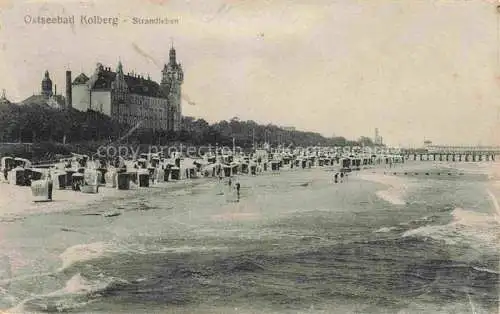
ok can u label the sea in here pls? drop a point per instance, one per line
(416, 238)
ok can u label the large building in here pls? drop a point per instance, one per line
(47, 96)
(131, 98)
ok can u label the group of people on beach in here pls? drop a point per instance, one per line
(230, 184)
(342, 177)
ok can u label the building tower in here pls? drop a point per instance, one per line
(69, 94)
(171, 80)
(119, 85)
(120, 90)
(3, 99)
(172, 56)
(46, 85)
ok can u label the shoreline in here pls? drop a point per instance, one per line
(16, 202)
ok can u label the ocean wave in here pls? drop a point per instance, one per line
(385, 229)
(86, 252)
(392, 196)
(92, 279)
(83, 252)
(181, 249)
(407, 227)
(80, 285)
(77, 292)
(467, 227)
(486, 270)
(397, 191)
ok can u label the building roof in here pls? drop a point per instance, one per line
(55, 101)
(136, 84)
(80, 79)
(34, 99)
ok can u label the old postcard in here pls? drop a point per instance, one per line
(249, 156)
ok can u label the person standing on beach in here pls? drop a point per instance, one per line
(49, 186)
(341, 177)
(29, 179)
(238, 190)
(336, 177)
(229, 182)
(221, 185)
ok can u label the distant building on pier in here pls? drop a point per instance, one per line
(377, 139)
(460, 149)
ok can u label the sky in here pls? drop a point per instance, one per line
(415, 69)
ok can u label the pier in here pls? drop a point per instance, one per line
(452, 153)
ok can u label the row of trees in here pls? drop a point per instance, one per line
(40, 123)
(248, 133)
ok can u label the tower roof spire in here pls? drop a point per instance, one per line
(172, 59)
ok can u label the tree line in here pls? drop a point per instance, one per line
(36, 123)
